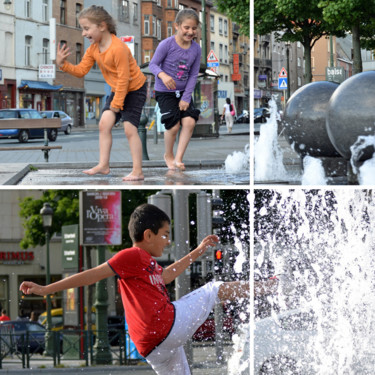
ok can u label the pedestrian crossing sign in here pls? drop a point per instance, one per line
(283, 83)
(283, 73)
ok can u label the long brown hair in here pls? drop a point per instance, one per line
(97, 15)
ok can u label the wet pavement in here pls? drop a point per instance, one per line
(204, 160)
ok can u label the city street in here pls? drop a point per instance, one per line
(80, 151)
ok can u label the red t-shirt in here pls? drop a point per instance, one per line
(148, 309)
(4, 318)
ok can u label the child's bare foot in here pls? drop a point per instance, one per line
(133, 177)
(179, 165)
(169, 160)
(97, 170)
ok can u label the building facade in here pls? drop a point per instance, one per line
(17, 265)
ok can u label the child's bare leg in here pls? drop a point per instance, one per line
(105, 143)
(135, 146)
(169, 140)
(231, 291)
(188, 124)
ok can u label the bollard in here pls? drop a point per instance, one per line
(142, 134)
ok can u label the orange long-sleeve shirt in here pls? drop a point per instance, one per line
(119, 68)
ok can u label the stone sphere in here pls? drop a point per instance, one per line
(351, 113)
(305, 120)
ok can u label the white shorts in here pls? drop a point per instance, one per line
(191, 312)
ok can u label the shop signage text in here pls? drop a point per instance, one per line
(16, 257)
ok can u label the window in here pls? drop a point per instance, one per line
(212, 23)
(180, 7)
(146, 25)
(212, 46)
(147, 56)
(158, 23)
(153, 26)
(124, 11)
(135, 12)
(226, 54)
(169, 3)
(226, 27)
(28, 40)
(136, 51)
(78, 10)
(299, 61)
(158, 2)
(28, 8)
(45, 15)
(220, 26)
(176, 4)
(299, 81)
(45, 51)
(63, 12)
(220, 52)
(169, 28)
(78, 53)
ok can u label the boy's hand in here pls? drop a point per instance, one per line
(168, 81)
(211, 240)
(115, 110)
(28, 287)
(61, 54)
(183, 105)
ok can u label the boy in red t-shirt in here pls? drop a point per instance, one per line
(158, 327)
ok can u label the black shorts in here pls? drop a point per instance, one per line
(170, 112)
(133, 105)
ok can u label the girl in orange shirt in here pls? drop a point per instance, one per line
(122, 73)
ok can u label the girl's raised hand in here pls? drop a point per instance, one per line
(28, 287)
(62, 53)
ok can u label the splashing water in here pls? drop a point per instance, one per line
(268, 158)
(238, 161)
(313, 172)
(366, 173)
(322, 242)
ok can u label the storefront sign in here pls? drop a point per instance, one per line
(70, 246)
(129, 41)
(16, 257)
(100, 218)
(47, 71)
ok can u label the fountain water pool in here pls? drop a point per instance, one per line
(322, 243)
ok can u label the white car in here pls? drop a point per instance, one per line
(66, 121)
(281, 343)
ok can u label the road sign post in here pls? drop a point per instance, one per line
(283, 82)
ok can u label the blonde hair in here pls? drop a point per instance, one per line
(97, 15)
(183, 14)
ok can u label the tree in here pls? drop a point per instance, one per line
(237, 11)
(293, 21)
(65, 204)
(355, 16)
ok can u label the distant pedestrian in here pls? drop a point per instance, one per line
(121, 72)
(33, 316)
(175, 65)
(4, 317)
(228, 114)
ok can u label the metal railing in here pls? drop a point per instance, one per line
(67, 345)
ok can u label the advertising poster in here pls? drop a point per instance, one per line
(100, 218)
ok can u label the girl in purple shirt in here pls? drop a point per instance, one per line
(175, 65)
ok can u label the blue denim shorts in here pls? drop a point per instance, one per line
(133, 105)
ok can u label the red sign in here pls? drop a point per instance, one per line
(236, 76)
(16, 257)
(283, 73)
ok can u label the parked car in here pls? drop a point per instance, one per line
(243, 118)
(206, 332)
(66, 121)
(261, 115)
(19, 328)
(23, 135)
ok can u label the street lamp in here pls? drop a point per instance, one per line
(287, 45)
(7, 4)
(47, 214)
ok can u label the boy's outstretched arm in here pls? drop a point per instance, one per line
(87, 277)
(176, 269)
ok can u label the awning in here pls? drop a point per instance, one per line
(38, 85)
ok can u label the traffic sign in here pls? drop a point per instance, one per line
(212, 64)
(283, 73)
(283, 83)
(212, 57)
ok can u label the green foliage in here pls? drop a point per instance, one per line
(237, 11)
(65, 204)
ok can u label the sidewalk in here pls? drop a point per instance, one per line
(204, 159)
